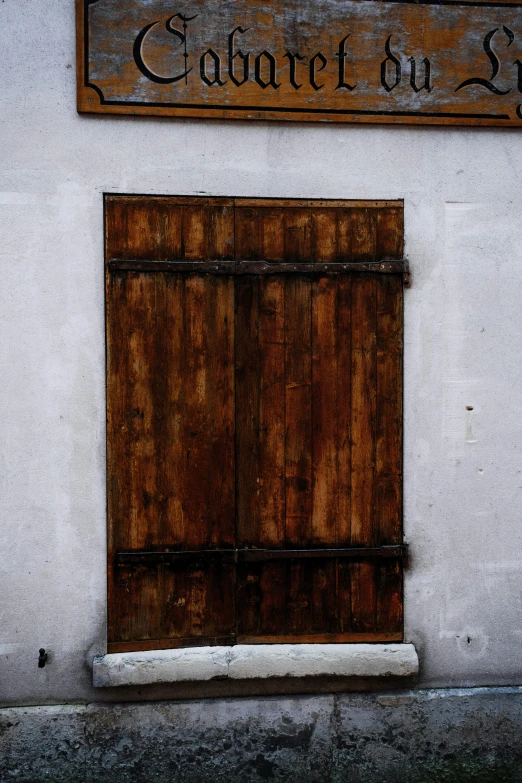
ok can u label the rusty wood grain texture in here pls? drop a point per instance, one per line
(360, 61)
(254, 422)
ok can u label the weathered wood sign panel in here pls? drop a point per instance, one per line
(335, 60)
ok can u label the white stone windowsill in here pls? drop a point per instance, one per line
(259, 661)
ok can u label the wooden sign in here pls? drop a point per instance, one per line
(424, 62)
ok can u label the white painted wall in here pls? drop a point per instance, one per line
(463, 469)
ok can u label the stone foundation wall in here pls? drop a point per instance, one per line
(409, 736)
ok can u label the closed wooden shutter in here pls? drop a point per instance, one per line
(254, 397)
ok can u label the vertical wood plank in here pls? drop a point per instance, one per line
(364, 235)
(132, 467)
(364, 311)
(197, 604)
(344, 408)
(390, 233)
(162, 240)
(137, 613)
(273, 595)
(127, 227)
(195, 246)
(297, 224)
(298, 407)
(325, 495)
(170, 232)
(363, 596)
(185, 601)
(135, 306)
(220, 410)
(119, 399)
(195, 456)
(198, 424)
(220, 233)
(156, 532)
(247, 358)
(207, 417)
(322, 576)
(344, 235)
(363, 407)
(115, 228)
(220, 619)
(139, 230)
(248, 234)
(324, 235)
(273, 235)
(344, 597)
(175, 601)
(299, 598)
(174, 423)
(387, 505)
(389, 598)
(249, 599)
(271, 486)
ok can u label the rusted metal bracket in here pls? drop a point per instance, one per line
(397, 551)
(261, 555)
(392, 266)
(406, 274)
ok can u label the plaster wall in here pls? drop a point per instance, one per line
(463, 468)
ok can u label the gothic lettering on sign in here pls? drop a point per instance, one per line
(315, 68)
(138, 50)
(271, 63)
(217, 68)
(396, 63)
(292, 58)
(442, 63)
(244, 58)
(495, 64)
(341, 55)
(427, 73)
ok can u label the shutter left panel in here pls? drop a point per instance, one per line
(170, 436)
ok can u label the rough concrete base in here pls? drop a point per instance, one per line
(412, 737)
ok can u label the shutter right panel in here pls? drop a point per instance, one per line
(318, 454)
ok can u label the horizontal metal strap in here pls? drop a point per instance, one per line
(258, 555)
(257, 267)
